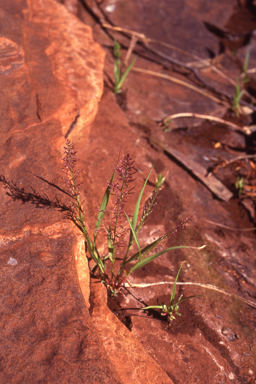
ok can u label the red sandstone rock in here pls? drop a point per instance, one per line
(127, 355)
(48, 334)
(51, 71)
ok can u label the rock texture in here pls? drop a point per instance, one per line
(51, 76)
(127, 355)
(51, 66)
(213, 340)
(47, 333)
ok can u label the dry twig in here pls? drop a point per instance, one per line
(207, 63)
(181, 82)
(206, 286)
(247, 130)
(230, 228)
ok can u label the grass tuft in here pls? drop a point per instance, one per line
(121, 229)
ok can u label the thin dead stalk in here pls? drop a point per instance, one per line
(228, 162)
(133, 42)
(206, 286)
(207, 63)
(230, 228)
(181, 82)
(245, 129)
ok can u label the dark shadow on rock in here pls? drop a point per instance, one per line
(40, 201)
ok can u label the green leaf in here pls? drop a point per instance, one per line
(145, 250)
(103, 206)
(186, 298)
(95, 255)
(117, 72)
(117, 51)
(152, 307)
(137, 206)
(174, 285)
(148, 259)
(110, 247)
(134, 235)
(126, 73)
(246, 62)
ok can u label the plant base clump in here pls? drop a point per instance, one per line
(171, 310)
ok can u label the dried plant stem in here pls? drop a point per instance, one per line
(133, 42)
(238, 158)
(244, 129)
(147, 40)
(230, 228)
(207, 63)
(181, 82)
(207, 286)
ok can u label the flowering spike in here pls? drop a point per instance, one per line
(122, 190)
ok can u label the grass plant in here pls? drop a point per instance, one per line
(121, 230)
(171, 310)
(239, 184)
(239, 92)
(240, 82)
(119, 73)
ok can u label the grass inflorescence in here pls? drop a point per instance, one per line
(121, 229)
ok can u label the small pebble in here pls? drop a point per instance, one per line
(12, 261)
(110, 8)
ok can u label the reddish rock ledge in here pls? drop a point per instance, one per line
(51, 74)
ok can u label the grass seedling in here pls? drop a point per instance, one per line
(121, 230)
(171, 310)
(240, 185)
(240, 82)
(167, 124)
(237, 97)
(119, 75)
(245, 66)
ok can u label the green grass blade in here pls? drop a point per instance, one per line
(137, 206)
(126, 73)
(110, 248)
(117, 72)
(117, 49)
(152, 307)
(93, 252)
(186, 298)
(103, 206)
(246, 62)
(174, 285)
(134, 235)
(145, 250)
(148, 259)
